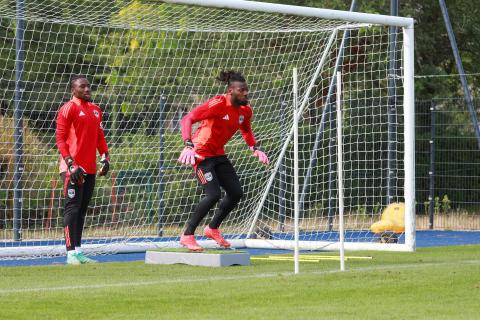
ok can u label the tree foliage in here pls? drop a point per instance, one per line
(433, 53)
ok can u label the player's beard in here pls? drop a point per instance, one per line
(239, 102)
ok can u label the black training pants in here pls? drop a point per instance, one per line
(213, 173)
(77, 199)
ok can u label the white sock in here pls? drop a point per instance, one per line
(78, 250)
(71, 252)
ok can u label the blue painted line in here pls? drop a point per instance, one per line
(86, 241)
(447, 238)
(365, 236)
(121, 257)
(424, 239)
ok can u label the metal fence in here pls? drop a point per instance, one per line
(447, 166)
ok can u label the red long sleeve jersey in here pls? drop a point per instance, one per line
(79, 134)
(219, 122)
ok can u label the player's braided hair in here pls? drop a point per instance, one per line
(230, 76)
(75, 78)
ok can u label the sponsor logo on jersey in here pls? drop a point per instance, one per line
(226, 117)
(95, 112)
(241, 118)
(71, 193)
(81, 114)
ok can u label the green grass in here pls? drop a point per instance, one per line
(432, 283)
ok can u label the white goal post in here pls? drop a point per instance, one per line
(150, 62)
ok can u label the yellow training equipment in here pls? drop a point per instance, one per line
(393, 219)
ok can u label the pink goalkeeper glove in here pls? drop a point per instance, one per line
(260, 154)
(188, 154)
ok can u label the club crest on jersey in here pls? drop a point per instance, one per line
(95, 112)
(71, 193)
(240, 119)
(208, 176)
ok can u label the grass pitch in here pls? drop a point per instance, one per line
(432, 283)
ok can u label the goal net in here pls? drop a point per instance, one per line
(151, 62)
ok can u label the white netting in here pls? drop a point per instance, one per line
(149, 63)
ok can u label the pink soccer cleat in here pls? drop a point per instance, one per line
(190, 243)
(215, 235)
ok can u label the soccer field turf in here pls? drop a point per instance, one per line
(432, 283)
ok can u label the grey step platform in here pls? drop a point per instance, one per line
(209, 258)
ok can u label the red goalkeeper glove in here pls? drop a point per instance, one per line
(75, 173)
(260, 154)
(105, 165)
(188, 154)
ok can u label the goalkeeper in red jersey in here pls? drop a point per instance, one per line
(220, 117)
(79, 135)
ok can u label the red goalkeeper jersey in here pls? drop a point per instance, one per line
(79, 134)
(219, 122)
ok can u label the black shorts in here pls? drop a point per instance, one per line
(215, 172)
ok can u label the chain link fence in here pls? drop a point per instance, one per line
(447, 166)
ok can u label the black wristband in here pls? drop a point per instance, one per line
(255, 148)
(188, 143)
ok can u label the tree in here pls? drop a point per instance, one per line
(433, 54)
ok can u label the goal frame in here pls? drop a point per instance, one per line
(407, 26)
